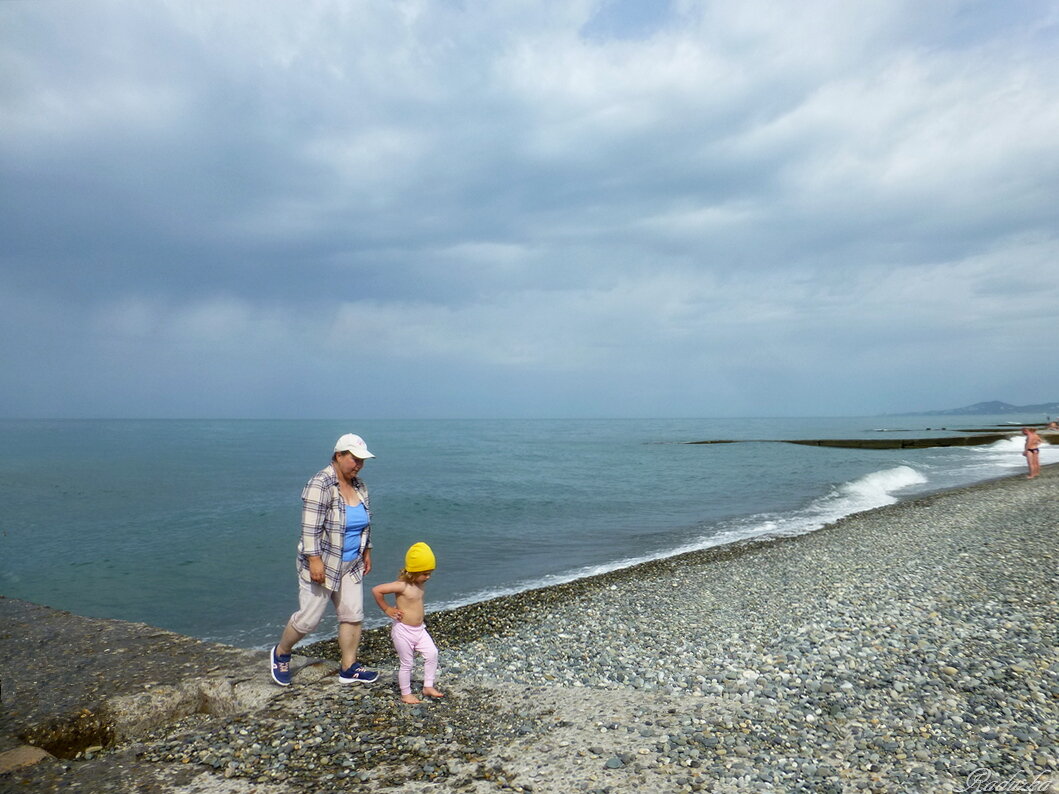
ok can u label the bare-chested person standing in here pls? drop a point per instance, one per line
(1032, 451)
(409, 631)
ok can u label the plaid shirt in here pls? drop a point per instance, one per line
(324, 528)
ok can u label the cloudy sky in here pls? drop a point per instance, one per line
(465, 208)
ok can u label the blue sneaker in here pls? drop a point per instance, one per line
(280, 668)
(357, 674)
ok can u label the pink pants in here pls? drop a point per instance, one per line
(406, 641)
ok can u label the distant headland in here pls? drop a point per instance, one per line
(992, 407)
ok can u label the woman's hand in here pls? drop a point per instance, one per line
(316, 570)
(367, 561)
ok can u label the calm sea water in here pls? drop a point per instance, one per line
(192, 525)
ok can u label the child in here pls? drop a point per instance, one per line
(409, 632)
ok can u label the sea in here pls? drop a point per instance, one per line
(192, 525)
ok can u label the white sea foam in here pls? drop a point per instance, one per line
(874, 490)
(1005, 451)
(962, 465)
(1005, 456)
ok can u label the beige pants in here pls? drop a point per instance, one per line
(312, 602)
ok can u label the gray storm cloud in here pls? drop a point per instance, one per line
(532, 209)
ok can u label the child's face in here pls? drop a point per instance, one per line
(421, 578)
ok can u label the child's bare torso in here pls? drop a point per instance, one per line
(410, 602)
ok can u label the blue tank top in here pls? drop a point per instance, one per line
(356, 521)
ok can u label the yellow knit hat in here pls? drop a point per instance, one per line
(419, 558)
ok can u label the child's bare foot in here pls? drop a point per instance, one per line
(431, 692)
(411, 700)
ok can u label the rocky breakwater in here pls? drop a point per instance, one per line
(72, 687)
(106, 705)
(979, 437)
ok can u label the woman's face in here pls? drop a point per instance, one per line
(348, 465)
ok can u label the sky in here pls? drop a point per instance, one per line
(579, 208)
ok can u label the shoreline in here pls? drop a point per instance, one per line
(905, 648)
(468, 622)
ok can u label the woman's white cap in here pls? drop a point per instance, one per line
(354, 444)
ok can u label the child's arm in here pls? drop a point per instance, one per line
(382, 590)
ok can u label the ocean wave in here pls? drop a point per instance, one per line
(877, 489)
(871, 491)
(1005, 455)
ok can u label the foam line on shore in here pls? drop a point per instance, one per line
(473, 619)
(873, 491)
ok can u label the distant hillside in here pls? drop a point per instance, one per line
(995, 407)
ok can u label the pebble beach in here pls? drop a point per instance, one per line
(911, 648)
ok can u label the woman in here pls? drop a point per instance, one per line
(1032, 451)
(334, 556)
